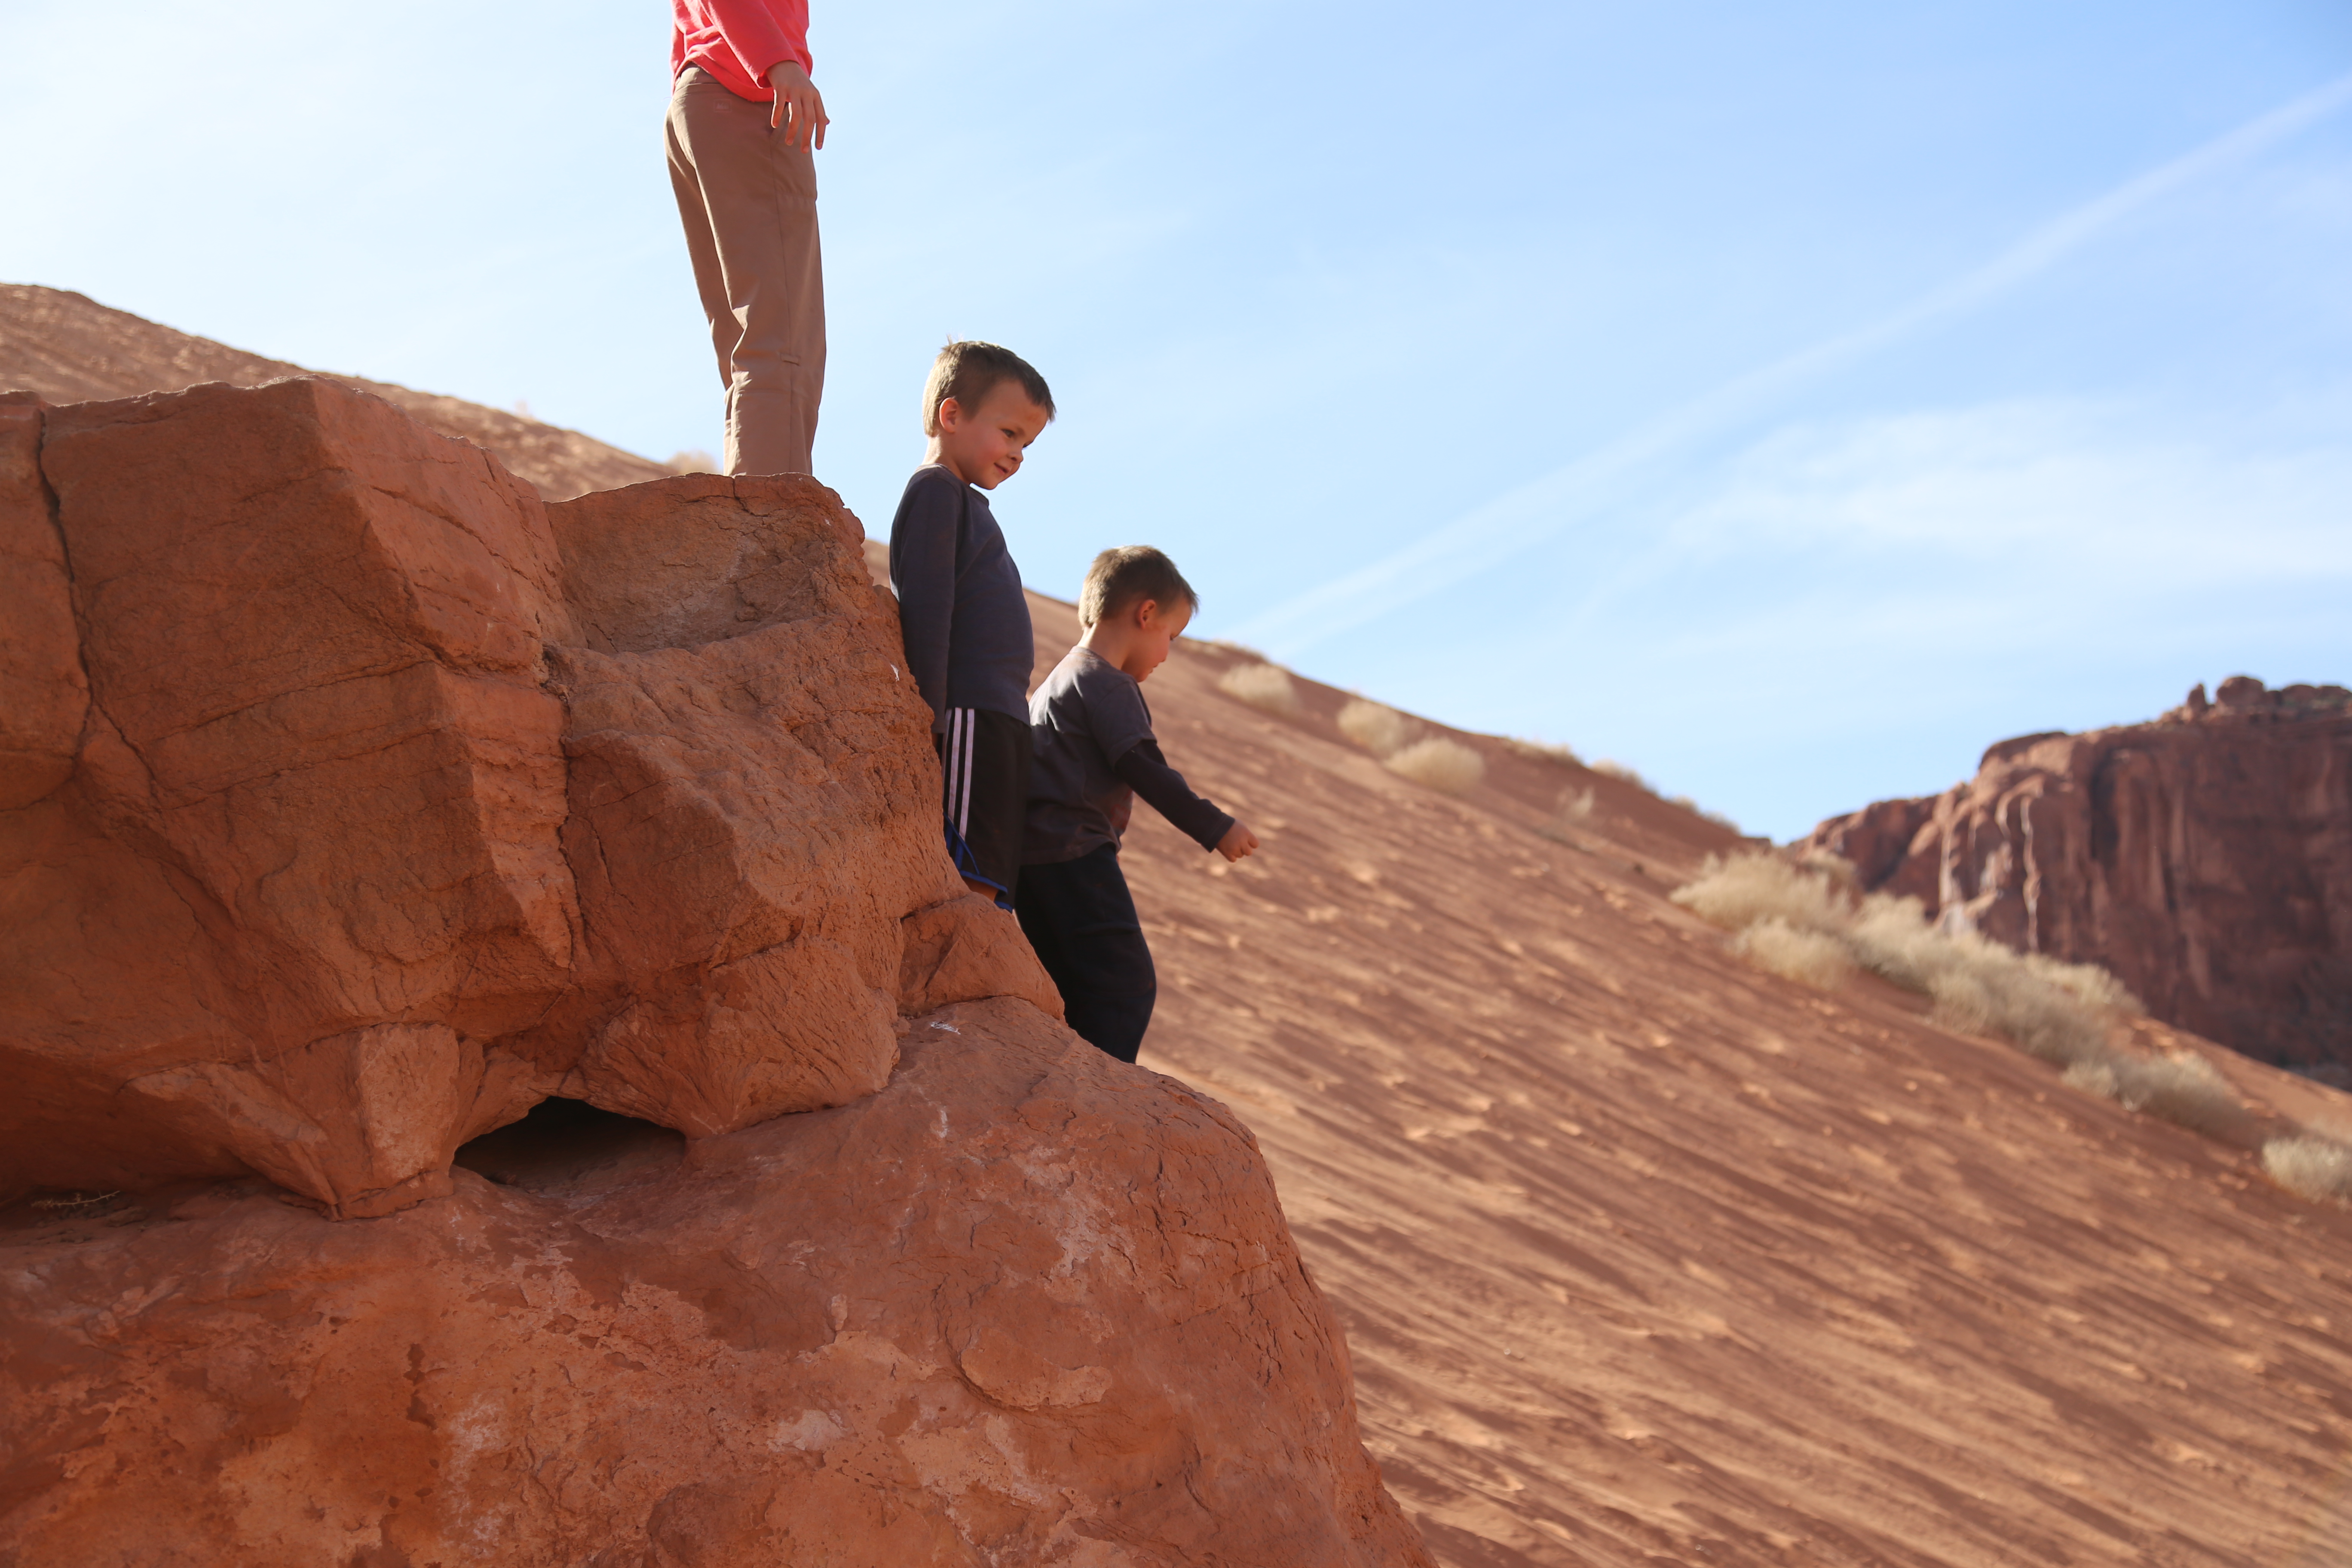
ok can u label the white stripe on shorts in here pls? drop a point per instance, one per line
(962, 723)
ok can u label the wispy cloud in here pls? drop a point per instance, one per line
(1511, 523)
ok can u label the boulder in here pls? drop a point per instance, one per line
(2204, 857)
(394, 801)
(1026, 1305)
(754, 804)
(319, 791)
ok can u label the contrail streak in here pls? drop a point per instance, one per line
(1511, 523)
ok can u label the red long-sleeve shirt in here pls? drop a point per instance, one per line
(737, 40)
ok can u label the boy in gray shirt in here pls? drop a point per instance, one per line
(1095, 752)
(960, 609)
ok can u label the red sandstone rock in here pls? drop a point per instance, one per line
(1027, 1305)
(965, 948)
(40, 662)
(319, 792)
(341, 878)
(2205, 858)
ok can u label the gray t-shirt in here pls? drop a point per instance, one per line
(1087, 715)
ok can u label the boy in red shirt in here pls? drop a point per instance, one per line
(744, 120)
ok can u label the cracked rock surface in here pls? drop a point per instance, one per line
(1026, 1305)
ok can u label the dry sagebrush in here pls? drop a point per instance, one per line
(1446, 766)
(1542, 750)
(2318, 1168)
(1266, 687)
(1624, 774)
(1569, 813)
(1380, 729)
(1803, 921)
(1809, 957)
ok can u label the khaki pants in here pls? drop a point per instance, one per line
(749, 204)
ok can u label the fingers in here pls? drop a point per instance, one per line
(800, 113)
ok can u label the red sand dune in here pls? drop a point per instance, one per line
(1647, 1256)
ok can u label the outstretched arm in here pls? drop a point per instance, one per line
(1143, 769)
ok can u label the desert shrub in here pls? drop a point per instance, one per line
(1977, 993)
(1979, 987)
(1447, 766)
(2318, 1168)
(2185, 1089)
(1809, 957)
(1836, 868)
(1541, 750)
(1801, 920)
(1571, 812)
(2087, 980)
(1624, 774)
(1263, 686)
(1693, 806)
(1738, 892)
(1380, 729)
(1891, 937)
(692, 462)
(2098, 1078)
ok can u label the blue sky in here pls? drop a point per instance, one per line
(1787, 401)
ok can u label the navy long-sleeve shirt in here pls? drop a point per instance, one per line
(1095, 752)
(960, 608)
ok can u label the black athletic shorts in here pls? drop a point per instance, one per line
(985, 764)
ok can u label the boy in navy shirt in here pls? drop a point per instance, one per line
(1095, 753)
(960, 609)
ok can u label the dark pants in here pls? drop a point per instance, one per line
(1081, 920)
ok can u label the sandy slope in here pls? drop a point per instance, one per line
(1646, 1256)
(71, 348)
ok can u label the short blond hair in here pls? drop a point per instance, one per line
(969, 370)
(1121, 577)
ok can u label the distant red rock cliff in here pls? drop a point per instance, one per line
(2205, 858)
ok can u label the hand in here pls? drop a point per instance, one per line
(1237, 843)
(800, 108)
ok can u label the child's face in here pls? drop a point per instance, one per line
(983, 446)
(1155, 632)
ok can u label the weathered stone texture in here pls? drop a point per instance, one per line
(396, 801)
(1026, 1305)
(41, 657)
